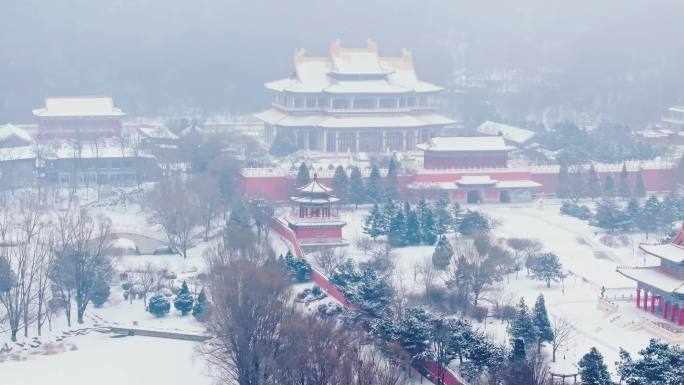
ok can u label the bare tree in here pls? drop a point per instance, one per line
(13, 269)
(563, 332)
(147, 279)
(329, 259)
(174, 207)
(427, 276)
(206, 189)
(81, 261)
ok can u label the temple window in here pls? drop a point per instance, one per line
(364, 104)
(340, 104)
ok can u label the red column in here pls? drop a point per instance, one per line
(666, 307)
(638, 297)
(673, 313)
(645, 299)
(681, 316)
(653, 303)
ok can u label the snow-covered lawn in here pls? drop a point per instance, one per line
(589, 261)
(103, 360)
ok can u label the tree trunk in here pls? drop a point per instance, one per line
(14, 334)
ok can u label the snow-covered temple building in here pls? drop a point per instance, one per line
(353, 101)
(314, 220)
(462, 152)
(79, 118)
(660, 289)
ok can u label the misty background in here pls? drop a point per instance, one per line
(610, 60)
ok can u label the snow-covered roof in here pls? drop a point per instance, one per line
(656, 277)
(667, 251)
(510, 133)
(476, 180)
(517, 184)
(315, 201)
(9, 131)
(314, 187)
(97, 106)
(353, 70)
(677, 108)
(280, 118)
(157, 132)
(17, 153)
(465, 143)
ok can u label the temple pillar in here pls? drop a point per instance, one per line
(673, 313)
(666, 307)
(646, 299)
(653, 303)
(638, 297)
(681, 315)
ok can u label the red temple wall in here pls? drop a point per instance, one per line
(460, 160)
(280, 188)
(317, 232)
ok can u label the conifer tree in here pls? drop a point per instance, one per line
(443, 253)
(547, 268)
(609, 186)
(639, 186)
(541, 321)
(578, 188)
(201, 309)
(340, 183)
(609, 216)
(518, 370)
(283, 144)
(523, 326)
(563, 186)
(427, 228)
(389, 211)
(357, 191)
(303, 176)
(159, 306)
(624, 190)
(184, 300)
(650, 219)
(632, 214)
(396, 234)
(373, 186)
(443, 218)
(592, 369)
(413, 235)
(392, 179)
(593, 183)
(372, 225)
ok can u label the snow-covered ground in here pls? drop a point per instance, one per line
(590, 263)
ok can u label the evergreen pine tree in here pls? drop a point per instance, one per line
(389, 211)
(609, 216)
(283, 145)
(427, 222)
(650, 219)
(396, 233)
(609, 186)
(303, 176)
(443, 253)
(592, 369)
(357, 191)
(372, 225)
(100, 292)
(518, 370)
(201, 309)
(624, 190)
(373, 186)
(413, 235)
(473, 222)
(414, 332)
(523, 326)
(639, 186)
(456, 213)
(547, 268)
(632, 214)
(563, 186)
(184, 300)
(541, 321)
(392, 179)
(444, 220)
(578, 188)
(593, 183)
(239, 217)
(159, 306)
(340, 183)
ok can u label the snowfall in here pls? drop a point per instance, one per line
(80, 354)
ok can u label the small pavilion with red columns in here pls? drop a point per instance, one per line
(314, 219)
(660, 289)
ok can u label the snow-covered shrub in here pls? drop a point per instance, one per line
(159, 306)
